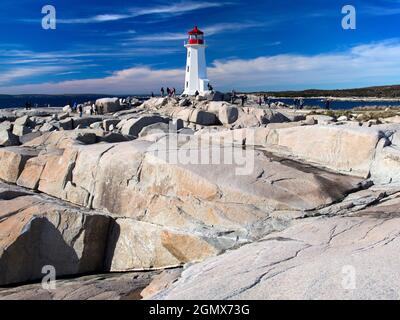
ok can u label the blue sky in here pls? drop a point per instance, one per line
(135, 46)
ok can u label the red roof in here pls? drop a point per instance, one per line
(195, 31)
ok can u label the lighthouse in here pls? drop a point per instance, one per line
(196, 67)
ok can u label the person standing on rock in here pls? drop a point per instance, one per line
(233, 96)
(173, 92)
(152, 94)
(327, 104)
(301, 103)
(196, 93)
(80, 109)
(259, 101)
(162, 92)
(244, 98)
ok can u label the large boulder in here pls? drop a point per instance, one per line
(66, 124)
(48, 127)
(107, 123)
(159, 127)
(12, 162)
(155, 103)
(67, 109)
(133, 127)
(203, 118)
(29, 137)
(7, 138)
(140, 245)
(345, 149)
(35, 233)
(6, 126)
(84, 122)
(109, 105)
(321, 119)
(226, 112)
(254, 117)
(22, 121)
(386, 165)
(20, 130)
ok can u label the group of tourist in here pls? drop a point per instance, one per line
(298, 103)
(94, 109)
(170, 92)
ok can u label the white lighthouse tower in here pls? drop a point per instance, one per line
(196, 67)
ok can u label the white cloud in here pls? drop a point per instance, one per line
(165, 10)
(209, 31)
(23, 73)
(138, 79)
(368, 64)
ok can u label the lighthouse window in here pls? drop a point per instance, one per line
(188, 69)
(187, 84)
(189, 54)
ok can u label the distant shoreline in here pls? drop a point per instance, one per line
(362, 99)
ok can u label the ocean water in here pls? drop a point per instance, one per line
(44, 100)
(61, 101)
(340, 104)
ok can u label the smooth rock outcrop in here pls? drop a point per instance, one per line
(349, 257)
(110, 286)
(348, 150)
(35, 233)
(168, 204)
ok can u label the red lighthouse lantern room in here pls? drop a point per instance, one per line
(196, 36)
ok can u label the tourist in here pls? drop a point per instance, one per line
(243, 98)
(269, 102)
(301, 103)
(196, 93)
(233, 96)
(80, 111)
(152, 94)
(259, 101)
(173, 92)
(327, 104)
(74, 108)
(162, 92)
(168, 92)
